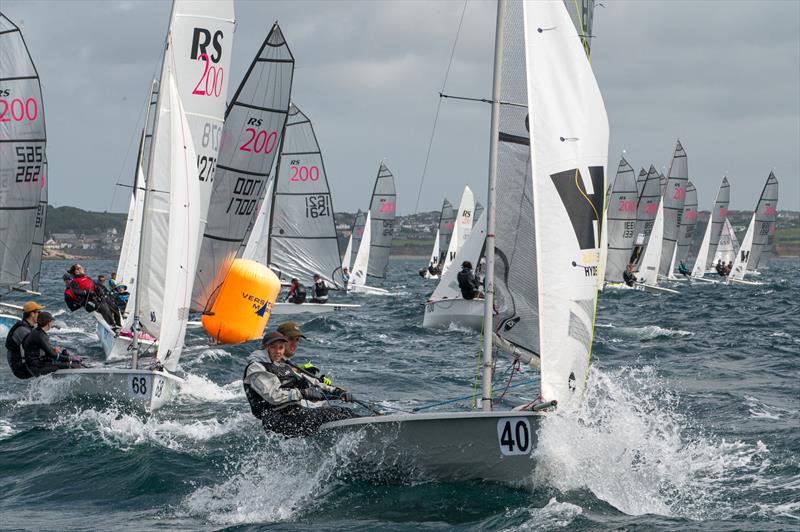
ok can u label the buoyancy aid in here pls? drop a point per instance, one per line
(288, 378)
(16, 356)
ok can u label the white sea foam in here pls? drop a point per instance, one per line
(648, 332)
(197, 388)
(553, 515)
(758, 409)
(126, 431)
(629, 446)
(6, 429)
(270, 484)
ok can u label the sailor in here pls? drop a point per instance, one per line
(319, 292)
(422, 272)
(297, 293)
(112, 283)
(100, 287)
(467, 282)
(720, 267)
(40, 357)
(728, 268)
(70, 299)
(433, 270)
(628, 276)
(19, 331)
(293, 334)
(121, 296)
(683, 270)
(345, 276)
(84, 293)
(285, 400)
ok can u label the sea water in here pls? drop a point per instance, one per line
(691, 420)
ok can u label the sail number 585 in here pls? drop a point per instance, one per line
(514, 435)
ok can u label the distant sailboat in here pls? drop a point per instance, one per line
(646, 210)
(686, 231)
(382, 208)
(620, 222)
(673, 199)
(442, 239)
(461, 230)
(768, 215)
(757, 232)
(358, 275)
(708, 247)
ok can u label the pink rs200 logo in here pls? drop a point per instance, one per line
(210, 82)
(723, 211)
(386, 206)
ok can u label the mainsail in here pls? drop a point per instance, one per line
(358, 275)
(620, 222)
(23, 160)
(303, 240)
(640, 181)
(463, 227)
(739, 267)
(553, 180)
(673, 199)
(648, 267)
(764, 219)
(646, 210)
(382, 209)
(447, 224)
(718, 216)
(688, 223)
(185, 144)
(254, 125)
(35, 263)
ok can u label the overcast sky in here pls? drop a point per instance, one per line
(724, 77)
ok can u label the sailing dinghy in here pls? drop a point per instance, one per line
(757, 232)
(673, 199)
(647, 278)
(442, 241)
(716, 221)
(461, 230)
(620, 223)
(23, 168)
(557, 160)
(175, 199)
(358, 275)
(688, 220)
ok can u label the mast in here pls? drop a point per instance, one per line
(488, 325)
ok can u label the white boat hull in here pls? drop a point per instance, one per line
(149, 389)
(117, 347)
(7, 321)
(462, 312)
(451, 446)
(364, 289)
(281, 309)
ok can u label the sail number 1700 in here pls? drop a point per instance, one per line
(514, 435)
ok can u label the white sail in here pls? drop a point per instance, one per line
(128, 266)
(348, 253)
(743, 256)
(718, 216)
(699, 268)
(569, 146)
(765, 214)
(382, 207)
(674, 197)
(462, 229)
(22, 158)
(252, 135)
(727, 245)
(646, 209)
(358, 275)
(470, 251)
(648, 267)
(434, 260)
(257, 245)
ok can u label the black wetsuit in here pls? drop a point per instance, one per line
(468, 283)
(297, 294)
(39, 355)
(289, 418)
(16, 360)
(629, 278)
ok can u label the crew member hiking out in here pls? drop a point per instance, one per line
(297, 293)
(16, 335)
(467, 282)
(319, 292)
(40, 357)
(285, 400)
(82, 292)
(628, 276)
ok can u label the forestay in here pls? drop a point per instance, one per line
(254, 124)
(303, 239)
(674, 198)
(688, 223)
(646, 210)
(382, 209)
(22, 159)
(620, 222)
(570, 153)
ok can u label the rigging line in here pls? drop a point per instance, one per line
(438, 106)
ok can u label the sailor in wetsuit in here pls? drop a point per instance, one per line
(319, 291)
(683, 270)
(285, 400)
(467, 282)
(42, 358)
(19, 331)
(297, 293)
(628, 276)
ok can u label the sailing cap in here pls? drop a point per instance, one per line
(30, 306)
(272, 338)
(291, 330)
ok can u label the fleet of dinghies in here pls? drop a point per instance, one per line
(219, 188)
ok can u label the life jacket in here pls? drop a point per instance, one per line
(16, 357)
(298, 294)
(467, 283)
(288, 378)
(321, 289)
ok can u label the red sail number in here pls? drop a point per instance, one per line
(211, 76)
(260, 141)
(304, 173)
(18, 110)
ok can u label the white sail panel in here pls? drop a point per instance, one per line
(727, 245)
(674, 197)
(699, 268)
(471, 251)
(252, 135)
(462, 228)
(621, 222)
(22, 157)
(358, 230)
(648, 267)
(382, 207)
(256, 247)
(739, 267)
(348, 253)
(358, 275)
(718, 216)
(569, 143)
(181, 257)
(434, 260)
(303, 239)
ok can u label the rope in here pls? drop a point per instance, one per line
(448, 401)
(439, 105)
(514, 368)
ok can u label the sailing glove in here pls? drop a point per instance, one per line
(312, 394)
(344, 395)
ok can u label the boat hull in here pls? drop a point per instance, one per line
(461, 312)
(364, 289)
(148, 389)
(451, 446)
(117, 347)
(281, 309)
(6, 322)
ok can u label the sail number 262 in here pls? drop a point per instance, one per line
(514, 435)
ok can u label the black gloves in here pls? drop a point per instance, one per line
(312, 394)
(344, 395)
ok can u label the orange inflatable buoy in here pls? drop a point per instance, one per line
(241, 310)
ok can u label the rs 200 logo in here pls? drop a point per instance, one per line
(202, 39)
